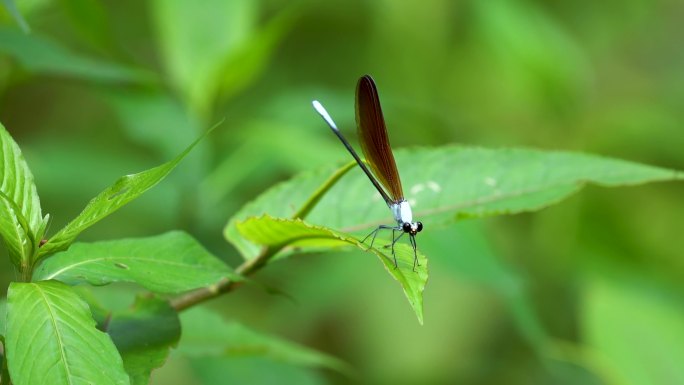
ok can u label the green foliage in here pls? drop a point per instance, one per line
(641, 347)
(144, 334)
(196, 60)
(12, 9)
(124, 190)
(489, 182)
(98, 87)
(208, 335)
(21, 222)
(51, 334)
(252, 370)
(277, 233)
(167, 263)
(41, 55)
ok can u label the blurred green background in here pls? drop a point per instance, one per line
(590, 291)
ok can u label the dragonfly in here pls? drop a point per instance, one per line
(372, 133)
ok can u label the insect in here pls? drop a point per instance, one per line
(376, 148)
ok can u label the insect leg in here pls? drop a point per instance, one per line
(394, 240)
(415, 253)
(374, 233)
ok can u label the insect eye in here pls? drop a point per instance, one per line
(419, 226)
(406, 227)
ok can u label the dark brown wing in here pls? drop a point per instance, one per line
(373, 137)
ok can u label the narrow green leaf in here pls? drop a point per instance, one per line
(206, 334)
(277, 232)
(52, 339)
(40, 55)
(124, 190)
(21, 221)
(144, 334)
(167, 263)
(11, 7)
(447, 183)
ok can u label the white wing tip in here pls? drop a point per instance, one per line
(324, 114)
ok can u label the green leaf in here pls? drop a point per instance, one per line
(51, 338)
(3, 317)
(124, 190)
(447, 183)
(251, 58)
(155, 119)
(169, 263)
(16, 15)
(253, 371)
(40, 55)
(21, 221)
(197, 41)
(295, 194)
(89, 19)
(477, 260)
(144, 334)
(276, 232)
(531, 53)
(206, 334)
(636, 329)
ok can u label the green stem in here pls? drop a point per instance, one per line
(26, 271)
(225, 285)
(4, 375)
(318, 194)
(250, 266)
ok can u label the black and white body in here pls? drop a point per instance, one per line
(378, 153)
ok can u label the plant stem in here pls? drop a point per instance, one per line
(4, 374)
(225, 285)
(26, 271)
(248, 267)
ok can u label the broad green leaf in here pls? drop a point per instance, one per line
(144, 334)
(277, 232)
(11, 7)
(635, 329)
(40, 55)
(124, 190)
(52, 339)
(206, 334)
(167, 263)
(21, 221)
(447, 183)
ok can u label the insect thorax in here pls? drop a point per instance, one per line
(402, 212)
